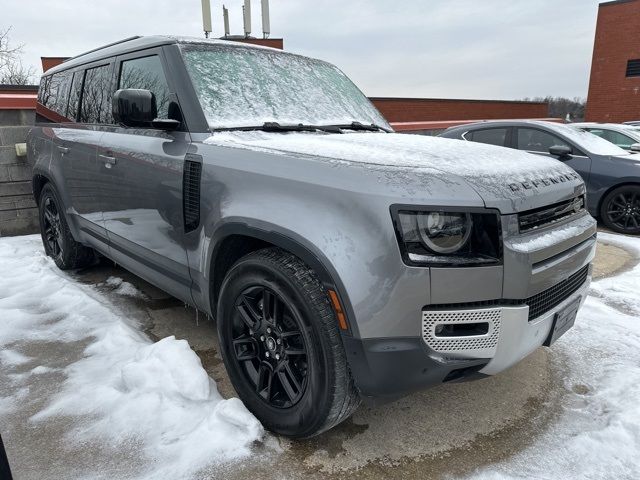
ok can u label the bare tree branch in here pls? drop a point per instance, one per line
(12, 71)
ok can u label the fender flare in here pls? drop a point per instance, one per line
(293, 243)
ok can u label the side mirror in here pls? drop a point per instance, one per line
(560, 151)
(635, 147)
(134, 107)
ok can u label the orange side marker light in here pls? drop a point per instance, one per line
(342, 319)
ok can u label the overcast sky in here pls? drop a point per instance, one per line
(489, 49)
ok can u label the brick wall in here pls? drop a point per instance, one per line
(437, 109)
(613, 97)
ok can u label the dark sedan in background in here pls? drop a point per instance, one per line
(612, 175)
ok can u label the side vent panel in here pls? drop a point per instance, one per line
(191, 192)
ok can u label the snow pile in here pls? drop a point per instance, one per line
(598, 433)
(155, 396)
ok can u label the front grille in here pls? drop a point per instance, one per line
(539, 304)
(541, 217)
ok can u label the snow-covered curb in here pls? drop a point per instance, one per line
(125, 388)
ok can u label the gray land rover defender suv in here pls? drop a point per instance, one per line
(341, 261)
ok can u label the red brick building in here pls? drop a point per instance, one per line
(422, 114)
(614, 88)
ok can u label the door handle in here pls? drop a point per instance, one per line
(108, 161)
(63, 150)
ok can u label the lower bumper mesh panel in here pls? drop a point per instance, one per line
(489, 340)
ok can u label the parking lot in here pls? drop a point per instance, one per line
(566, 409)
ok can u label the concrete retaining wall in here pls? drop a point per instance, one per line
(18, 212)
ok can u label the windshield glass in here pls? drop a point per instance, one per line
(588, 141)
(243, 87)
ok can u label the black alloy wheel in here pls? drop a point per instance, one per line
(269, 345)
(621, 210)
(281, 345)
(52, 229)
(57, 239)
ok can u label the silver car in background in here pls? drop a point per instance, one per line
(624, 136)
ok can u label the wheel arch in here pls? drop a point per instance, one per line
(237, 239)
(38, 181)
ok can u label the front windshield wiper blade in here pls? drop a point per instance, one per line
(277, 127)
(370, 127)
(302, 127)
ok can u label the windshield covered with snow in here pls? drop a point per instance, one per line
(588, 141)
(244, 87)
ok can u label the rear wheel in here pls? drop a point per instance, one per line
(58, 242)
(620, 209)
(281, 345)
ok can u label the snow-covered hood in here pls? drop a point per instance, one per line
(505, 178)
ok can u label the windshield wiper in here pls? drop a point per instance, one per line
(302, 127)
(370, 127)
(277, 127)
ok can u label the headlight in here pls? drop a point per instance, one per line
(448, 238)
(444, 232)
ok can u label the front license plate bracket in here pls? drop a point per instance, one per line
(562, 322)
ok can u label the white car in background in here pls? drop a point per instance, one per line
(622, 135)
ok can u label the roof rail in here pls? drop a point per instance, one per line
(104, 46)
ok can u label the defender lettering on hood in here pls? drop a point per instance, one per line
(544, 182)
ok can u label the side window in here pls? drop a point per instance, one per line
(54, 92)
(619, 139)
(74, 95)
(147, 73)
(95, 106)
(493, 136)
(595, 131)
(45, 90)
(534, 140)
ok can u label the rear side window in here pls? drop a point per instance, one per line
(54, 93)
(616, 138)
(95, 106)
(534, 140)
(74, 95)
(492, 136)
(147, 73)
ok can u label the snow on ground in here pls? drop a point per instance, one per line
(121, 287)
(597, 434)
(125, 388)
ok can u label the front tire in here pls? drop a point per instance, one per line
(58, 242)
(281, 345)
(620, 210)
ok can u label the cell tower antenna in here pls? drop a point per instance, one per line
(206, 17)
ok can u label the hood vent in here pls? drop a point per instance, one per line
(191, 192)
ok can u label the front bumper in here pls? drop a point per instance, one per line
(387, 368)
